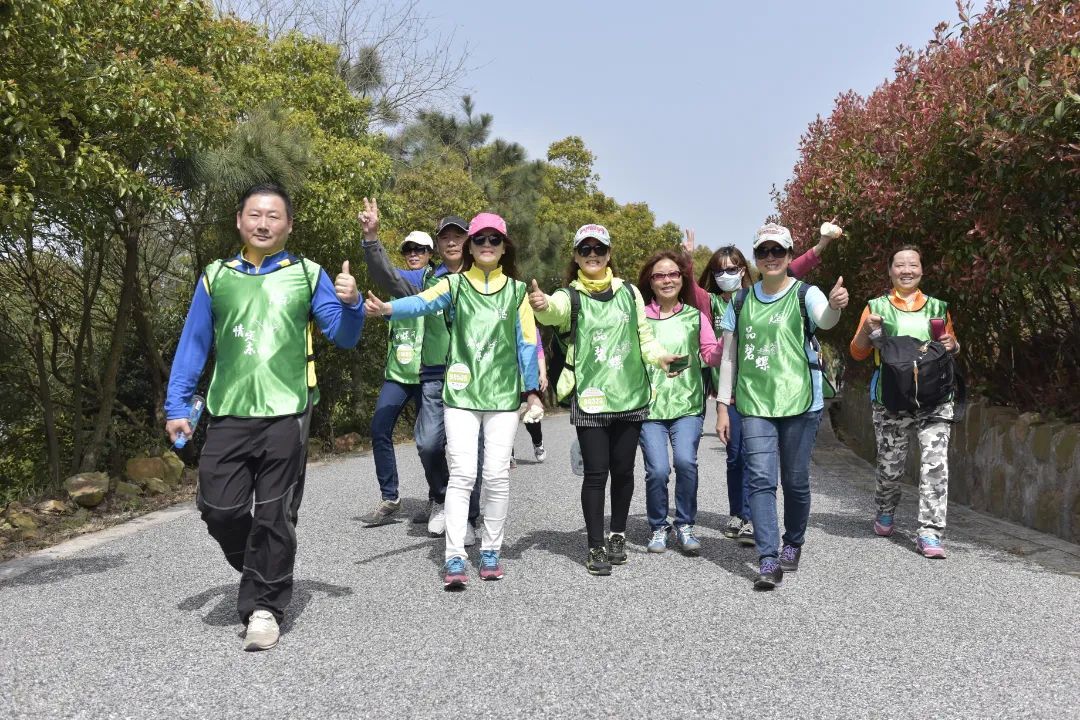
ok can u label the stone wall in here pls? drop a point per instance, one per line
(1017, 466)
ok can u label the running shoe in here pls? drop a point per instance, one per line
(929, 546)
(658, 542)
(598, 563)
(883, 524)
(734, 525)
(746, 534)
(436, 524)
(616, 548)
(490, 566)
(769, 574)
(540, 453)
(454, 574)
(262, 631)
(382, 514)
(789, 558)
(685, 535)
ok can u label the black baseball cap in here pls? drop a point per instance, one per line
(452, 221)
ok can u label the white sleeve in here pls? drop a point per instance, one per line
(820, 311)
(727, 369)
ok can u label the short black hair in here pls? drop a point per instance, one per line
(266, 189)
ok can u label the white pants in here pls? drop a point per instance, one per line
(462, 431)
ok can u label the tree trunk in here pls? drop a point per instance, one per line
(89, 292)
(129, 232)
(155, 366)
(37, 343)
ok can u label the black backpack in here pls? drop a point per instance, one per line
(917, 374)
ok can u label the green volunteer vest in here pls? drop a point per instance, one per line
(436, 341)
(482, 370)
(683, 394)
(719, 308)
(773, 373)
(262, 340)
(913, 323)
(609, 372)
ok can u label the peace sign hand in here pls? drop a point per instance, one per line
(689, 243)
(369, 219)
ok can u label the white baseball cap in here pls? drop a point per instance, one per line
(771, 232)
(592, 230)
(420, 238)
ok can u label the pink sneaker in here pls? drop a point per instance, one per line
(883, 524)
(929, 546)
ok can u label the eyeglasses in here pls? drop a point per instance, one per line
(775, 251)
(412, 249)
(492, 240)
(660, 277)
(587, 250)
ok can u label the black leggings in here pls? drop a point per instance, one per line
(535, 432)
(607, 449)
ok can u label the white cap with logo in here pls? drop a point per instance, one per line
(592, 230)
(772, 232)
(420, 238)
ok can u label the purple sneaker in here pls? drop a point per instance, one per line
(454, 575)
(883, 524)
(789, 558)
(929, 546)
(769, 574)
(490, 566)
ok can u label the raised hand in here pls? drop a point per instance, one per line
(537, 298)
(689, 243)
(345, 286)
(369, 219)
(831, 230)
(375, 307)
(838, 296)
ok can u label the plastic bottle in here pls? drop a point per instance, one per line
(198, 404)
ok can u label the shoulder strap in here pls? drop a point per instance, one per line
(814, 344)
(575, 309)
(736, 306)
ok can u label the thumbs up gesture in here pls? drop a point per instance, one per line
(345, 286)
(375, 307)
(831, 230)
(537, 298)
(838, 296)
(369, 219)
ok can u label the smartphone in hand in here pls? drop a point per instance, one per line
(679, 364)
(937, 328)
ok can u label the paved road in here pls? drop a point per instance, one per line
(143, 626)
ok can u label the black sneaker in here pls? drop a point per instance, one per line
(598, 562)
(616, 548)
(789, 558)
(769, 574)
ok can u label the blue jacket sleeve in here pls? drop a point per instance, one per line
(341, 324)
(196, 339)
(527, 361)
(428, 302)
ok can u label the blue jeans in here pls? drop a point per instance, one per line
(392, 400)
(787, 442)
(430, 435)
(684, 435)
(737, 487)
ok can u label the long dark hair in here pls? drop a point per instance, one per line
(708, 281)
(682, 261)
(571, 270)
(507, 262)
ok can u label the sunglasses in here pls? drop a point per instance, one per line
(587, 250)
(412, 249)
(492, 240)
(728, 271)
(775, 251)
(660, 277)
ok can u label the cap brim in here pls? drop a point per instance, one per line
(602, 241)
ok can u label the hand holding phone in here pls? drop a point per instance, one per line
(937, 328)
(679, 364)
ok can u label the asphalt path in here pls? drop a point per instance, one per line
(142, 624)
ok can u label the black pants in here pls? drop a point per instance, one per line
(251, 480)
(604, 450)
(536, 432)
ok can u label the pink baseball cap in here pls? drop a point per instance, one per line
(486, 220)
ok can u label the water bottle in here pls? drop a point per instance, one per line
(197, 406)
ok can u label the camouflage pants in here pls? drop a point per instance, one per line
(891, 431)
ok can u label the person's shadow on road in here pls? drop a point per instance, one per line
(55, 571)
(223, 614)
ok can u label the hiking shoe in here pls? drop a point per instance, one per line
(658, 542)
(746, 534)
(769, 574)
(789, 558)
(540, 453)
(436, 524)
(490, 566)
(883, 524)
(470, 535)
(685, 535)
(616, 548)
(382, 514)
(929, 546)
(454, 574)
(262, 631)
(598, 563)
(424, 515)
(734, 525)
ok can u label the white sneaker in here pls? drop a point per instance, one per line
(470, 535)
(540, 452)
(262, 631)
(436, 524)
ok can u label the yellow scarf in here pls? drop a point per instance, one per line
(595, 286)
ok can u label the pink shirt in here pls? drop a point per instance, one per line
(799, 267)
(711, 348)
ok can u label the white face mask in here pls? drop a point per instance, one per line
(728, 283)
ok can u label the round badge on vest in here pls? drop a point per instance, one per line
(404, 354)
(592, 400)
(458, 376)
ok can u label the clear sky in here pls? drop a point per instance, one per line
(693, 107)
